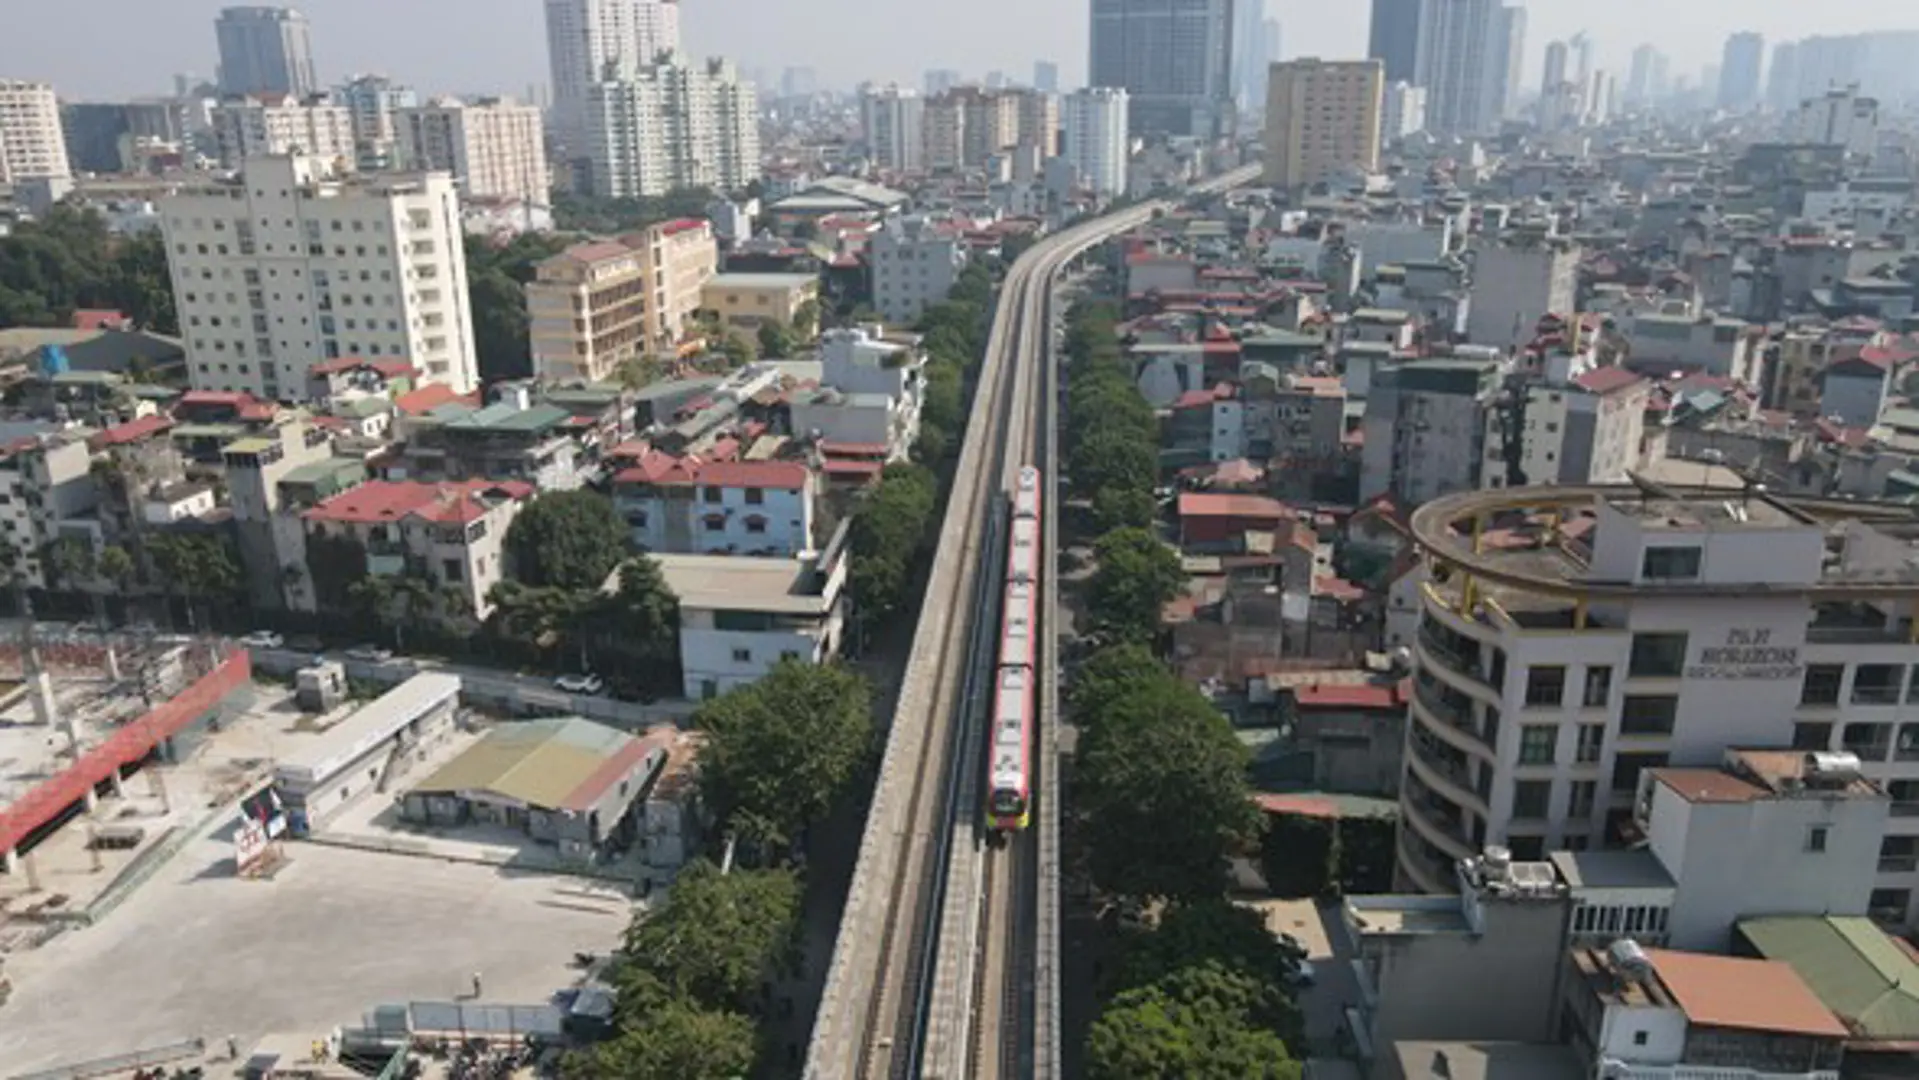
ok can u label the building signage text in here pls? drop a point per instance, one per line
(1746, 654)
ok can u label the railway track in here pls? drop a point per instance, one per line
(937, 971)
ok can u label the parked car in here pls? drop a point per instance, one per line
(1301, 975)
(579, 684)
(263, 639)
(372, 654)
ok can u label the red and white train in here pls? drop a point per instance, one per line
(1009, 784)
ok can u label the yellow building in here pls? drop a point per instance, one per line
(597, 305)
(680, 257)
(1321, 117)
(746, 302)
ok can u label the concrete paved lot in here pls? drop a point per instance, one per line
(335, 932)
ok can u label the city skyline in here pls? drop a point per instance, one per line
(498, 45)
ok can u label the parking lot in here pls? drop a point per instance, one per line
(198, 951)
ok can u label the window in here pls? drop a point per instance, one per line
(452, 570)
(1648, 714)
(1537, 744)
(755, 524)
(1869, 741)
(1889, 904)
(712, 494)
(1670, 564)
(1639, 1038)
(1531, 798)
(1582, 797)
(1657, 656)
(1822, 684)
(1598, 686)
(1816, 838)
(1899, 854)
(715, 522)
(1545, 686)
(1877, 684)
(742, 656)
(755, 496)
(1627, 767)
(1811, 736)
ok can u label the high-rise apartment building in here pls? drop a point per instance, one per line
(893, 121)
(271, 125)
(1645, 629)
(1322, 117)
(1097, 141)
(1782, 79)
(32, 146)
(940, 80)
(592, 41)
(1557, 56)
(371, 101)
(1460, 46)
(1037, 120)
(1639, 77)
(1172, 57)
(282, 267)
(1394, 40)
(1402, 112)
(991, 123)
(265, 50)
(1512, 57)
(945, 132)
(1739, 69)
(671, 125)
(1046, 76)
(495, 148)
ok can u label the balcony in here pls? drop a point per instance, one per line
(1449, 713)
(1425, 871)
(1439, 823)
(1443, 769)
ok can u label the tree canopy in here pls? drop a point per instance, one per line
(1299, 856)
(781, 751)
(567, 539)
(777, 341)
(495, 274)
(889, 527)
(674, 1041)
(1197, 1024)
(1211, 930)
(66, 260)
(595, 214)
(1135, 578)
(718, 937)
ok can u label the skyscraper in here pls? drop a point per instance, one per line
(1782, 81)
(590, 40)
(1322, 118)
(893, 120)
(672, 125)
(1459, 46)
(1249, 55)
(1739, 68)
(1172, 57)
(1555, 75)
(1639, 76)
(32, 145)
(1394, 40)
(1046, 76)
(264, 50)
(1512, 56)
(1097, 143)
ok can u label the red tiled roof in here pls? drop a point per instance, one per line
(833, 448)
(396, 500)
(1605, 380)
(391, 366)
(1708, 785)
(259, 410)
(666, 470)
(727, 449)
(97, 319)
(430, 397)
(134, 431)
(1750, 995)
(851, 467)
(680, 225)
(1215, 504)
(235, 398)
(1298, 806)
(596, 250)
(1337, 588)
(1350, 696)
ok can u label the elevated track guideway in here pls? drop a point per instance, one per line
(945, 964)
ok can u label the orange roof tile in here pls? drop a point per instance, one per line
(1752, 995)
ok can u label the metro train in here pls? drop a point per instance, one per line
(1009, 798)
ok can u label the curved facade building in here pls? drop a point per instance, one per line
(1571, 638)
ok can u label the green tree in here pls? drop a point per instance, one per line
(1123, 508)
(675, 1041)
(1113, 458)
(1210, 931)
(717, 938)
(780, 752)
(641, 371)
(1162, 782)
(775, 340)
(567, 539)
(595, 214)
(631, 635)
(738, 350)
(115, 567)
(495, 279)
(201, 568)
(806, 320)
(889, 526)
(69, 562)
(399, 602)
(1365, 854)
(1135, 578)
(1187, 1028)
(1299, 856)
(1110, 676)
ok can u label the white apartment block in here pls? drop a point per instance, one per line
(915, 262)
(672, 125)
(1614, 631)
(892, 121)
(32, 145)
(495, 148)
(1402, 112)
(1515, 284)
(1097, 140)
(46, 480)
(588, 38)
(371, 101)
(687, 506)
(270, 125)
(282, 267)
(740, 616)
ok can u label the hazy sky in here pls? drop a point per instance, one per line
(118, 48)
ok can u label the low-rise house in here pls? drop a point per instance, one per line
(1210, 521)
(746, 302)
(871, 391)
(452, 534)
(689, 506)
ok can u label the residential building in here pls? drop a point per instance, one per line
(1038, 121)
(515, 438)
(1512, 58)
(1046, 76)
(1322, 118)
(1098, 142)
(1866, 976)
(748, 301)
(453, 534)
(47, 492)
(869, 398)
(586, 312)
(1250, 58)
(494, 148)
(1659, 631)
(915, 262)
(892, 121)
(587, 38)
(679, 257)
(1394, 38)
(1516, 281)
(1838, 117)
(281, 267)
(672, 124)
(1174, 60)
(966, 125)
(1460, 43)
(1739, 68)
(944, 132)
(689, 506)
(32, 145)
(1402, 112)
(1425, 428)
(263, 125)
(272, 549)
(265, 50)
(740, 616)
(371, 102)
(1584, 430)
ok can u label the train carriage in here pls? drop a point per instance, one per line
(1009, 788)
(1015, 700)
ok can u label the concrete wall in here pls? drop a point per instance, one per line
(1500, 985)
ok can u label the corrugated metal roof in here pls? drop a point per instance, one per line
(539, 762)
(1853, 967)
